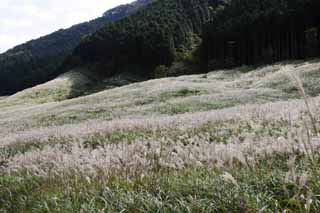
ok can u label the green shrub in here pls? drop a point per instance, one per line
(161, 71)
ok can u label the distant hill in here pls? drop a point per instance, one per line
(37, 61)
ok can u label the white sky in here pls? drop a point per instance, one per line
(23, 20)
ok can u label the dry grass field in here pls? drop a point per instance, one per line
(241, 140)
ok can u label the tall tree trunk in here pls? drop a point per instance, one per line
(247, 50)
(243, 49)
(318, 34)
(291, 39)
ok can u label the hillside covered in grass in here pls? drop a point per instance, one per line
(241, 140)
(123, 129)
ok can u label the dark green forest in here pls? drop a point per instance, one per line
(39, 60)
(249, 32)
(233, 33)
(157, 35)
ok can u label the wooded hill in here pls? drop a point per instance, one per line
(262, 31)
(233, 33)
(37, 61)
(157, 35)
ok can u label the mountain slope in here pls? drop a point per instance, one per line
(160, 34)
(37, 61)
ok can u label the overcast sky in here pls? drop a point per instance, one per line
(23, 20)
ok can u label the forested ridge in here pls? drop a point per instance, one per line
(233, 33)
(157, 35)
(37, 61)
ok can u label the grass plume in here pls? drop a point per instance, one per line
(231, 141)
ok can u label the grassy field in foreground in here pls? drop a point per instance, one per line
(226, 141)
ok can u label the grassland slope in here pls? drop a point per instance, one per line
(230, 140)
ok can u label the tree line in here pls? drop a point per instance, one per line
(248, 32)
